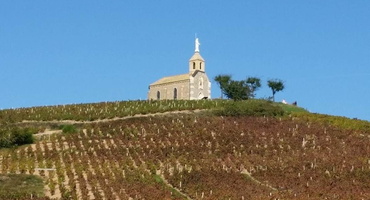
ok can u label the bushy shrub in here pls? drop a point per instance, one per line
(68, 128)
(23, 136)
(4, 141)
(250, 108)
(14, 136)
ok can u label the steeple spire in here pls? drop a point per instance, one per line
(196, 62)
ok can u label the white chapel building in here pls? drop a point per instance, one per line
(190, 86)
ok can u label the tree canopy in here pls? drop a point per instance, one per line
(237, 90)
(276, 85)
(245, 89)
(254, 84)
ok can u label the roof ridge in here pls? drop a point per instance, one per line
(170, 79)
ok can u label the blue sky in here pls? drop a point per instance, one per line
(63, 52)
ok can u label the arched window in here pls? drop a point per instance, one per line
(193, 65)
(201, 82)
(158, 95)
(175, 93)
(200, 66)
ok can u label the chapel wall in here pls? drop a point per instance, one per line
(167, 90)
(200, 86)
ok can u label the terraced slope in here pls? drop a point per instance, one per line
(199, 156)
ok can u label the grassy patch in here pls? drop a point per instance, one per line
(157, 178)
(340, 122)
(291, 108)
(20, 186)
(250, 108)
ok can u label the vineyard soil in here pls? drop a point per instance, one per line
(196, 155)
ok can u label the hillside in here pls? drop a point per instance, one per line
(104, 152)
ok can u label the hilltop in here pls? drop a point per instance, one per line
(185, 150)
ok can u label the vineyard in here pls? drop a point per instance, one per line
(194, 155)
(104, 110)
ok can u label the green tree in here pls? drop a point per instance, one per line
(276, 85)
(236, 90)
(223, 81)
(254, 84)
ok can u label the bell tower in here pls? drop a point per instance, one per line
(196, 62)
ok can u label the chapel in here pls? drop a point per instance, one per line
(190, 86)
